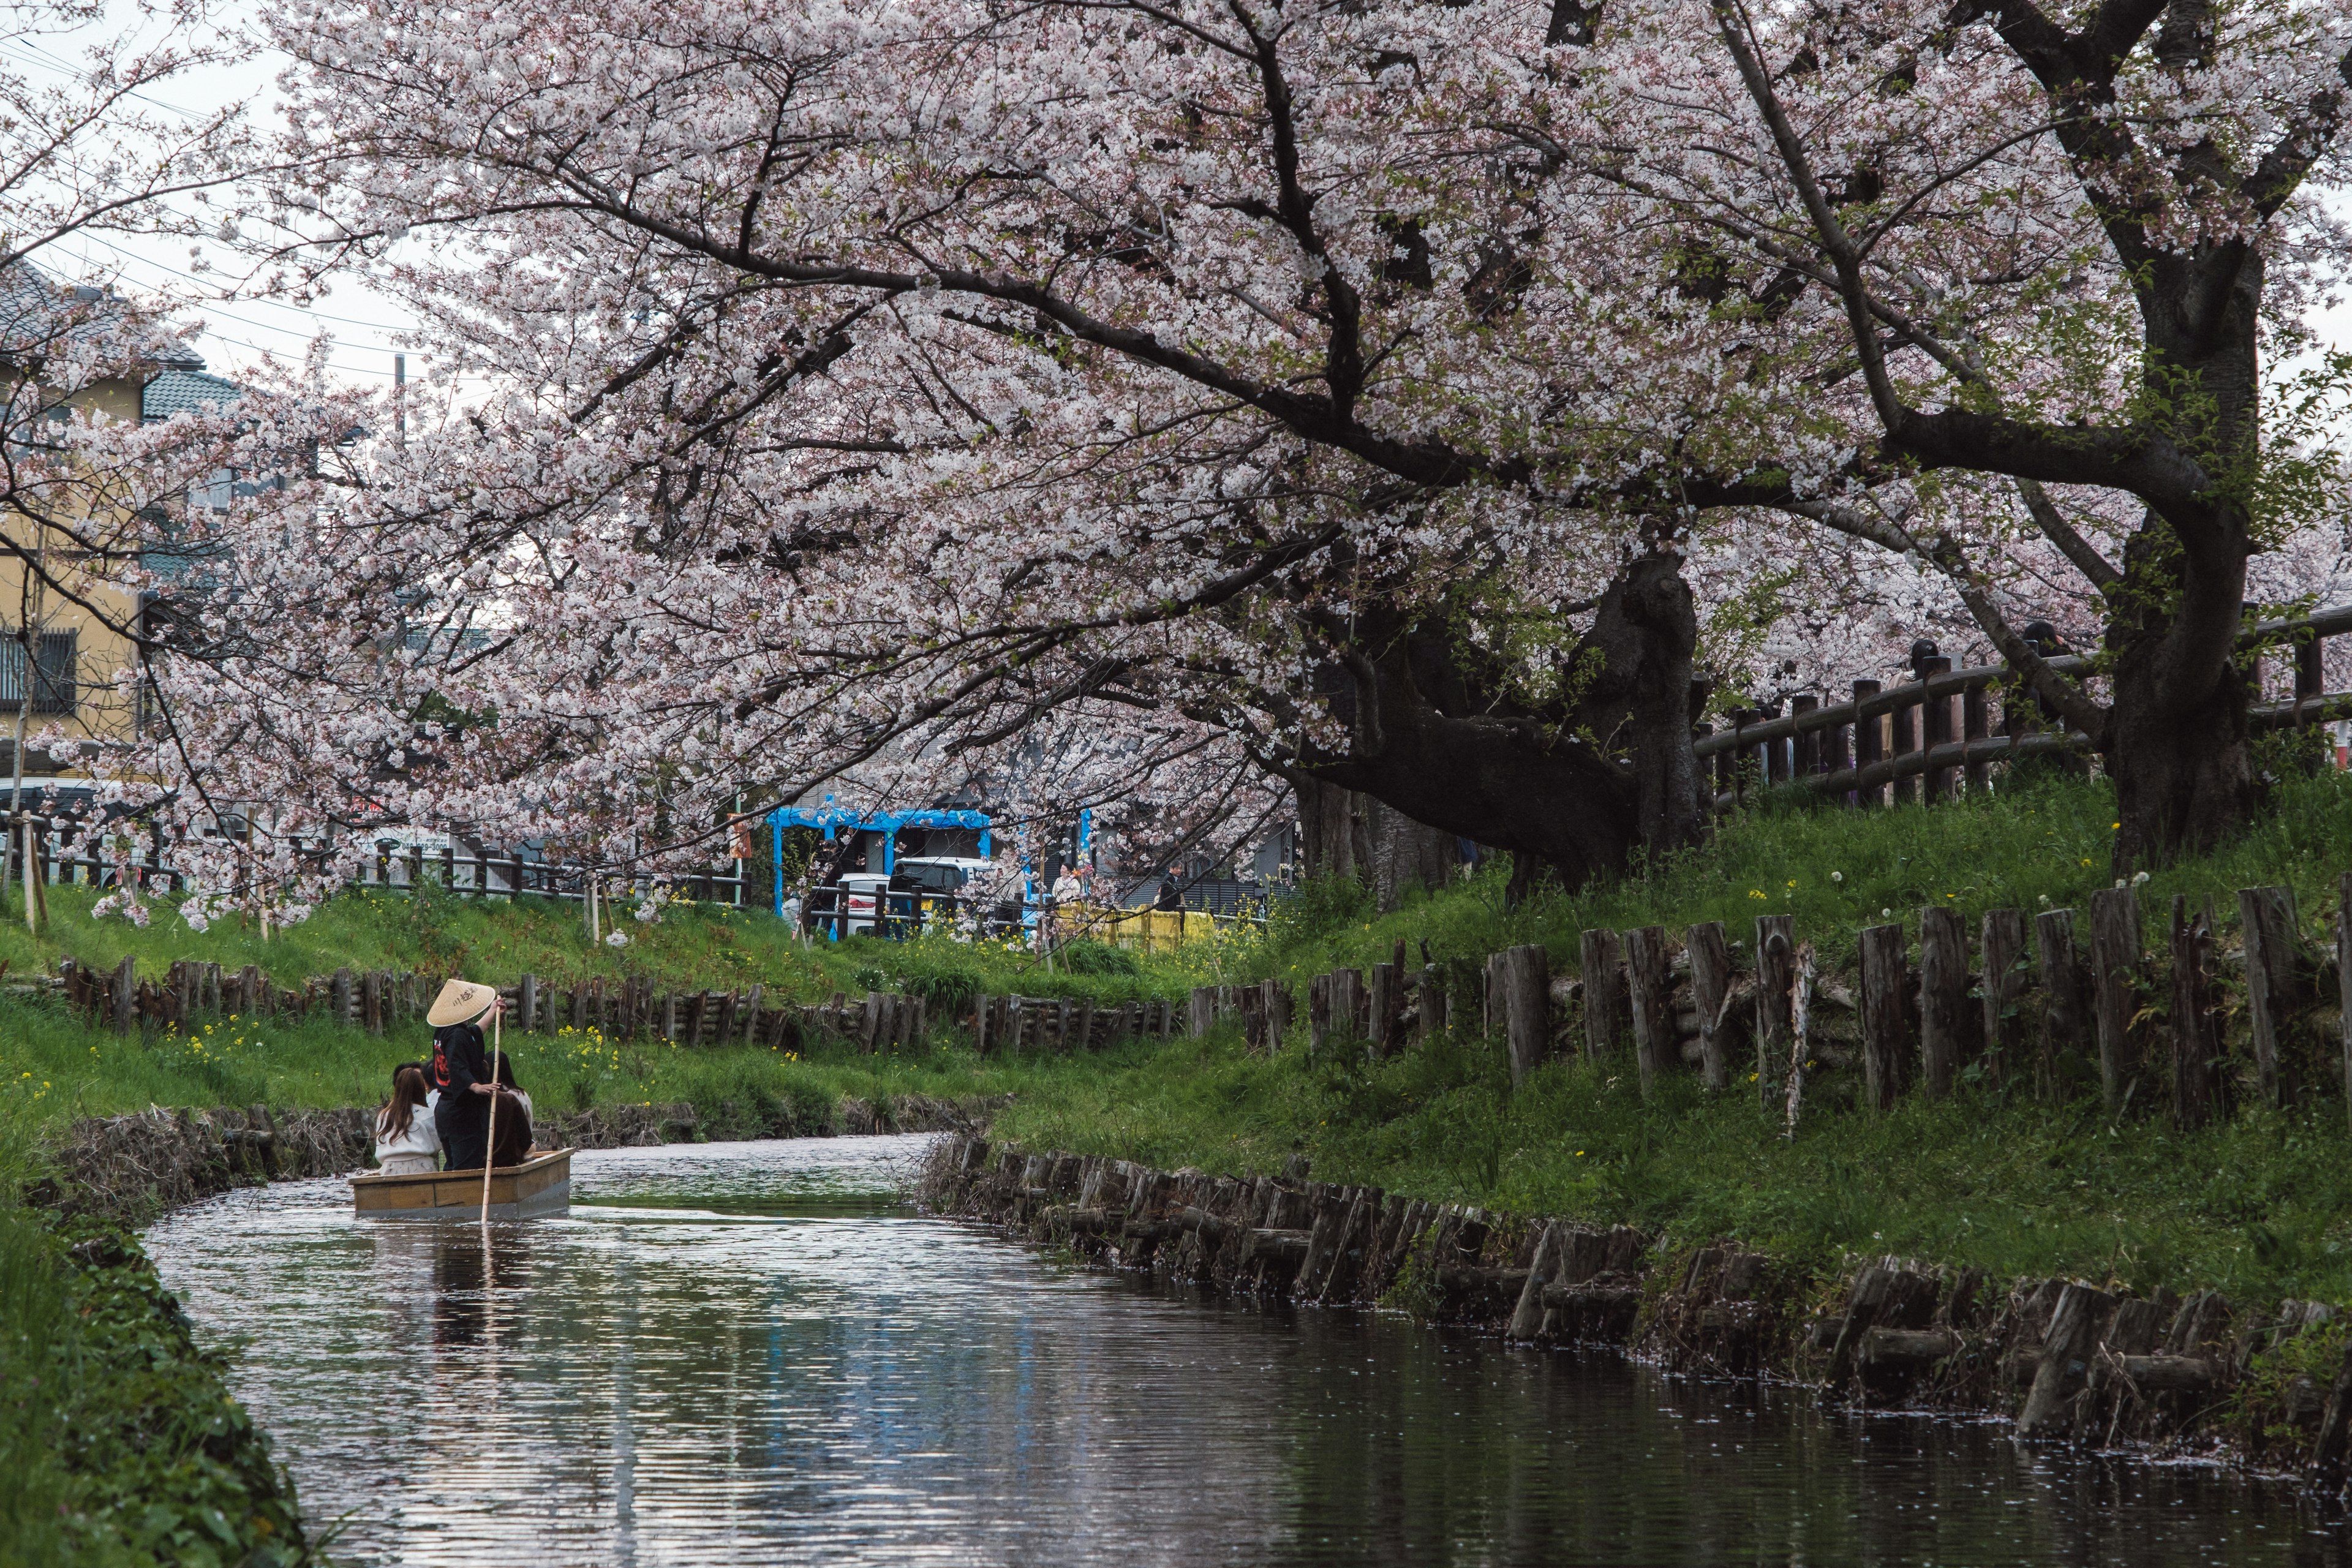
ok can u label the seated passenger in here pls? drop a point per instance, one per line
(406, 1142)
(514, 1133)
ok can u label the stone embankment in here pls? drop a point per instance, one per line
(129, 1169)
(2065, 1360)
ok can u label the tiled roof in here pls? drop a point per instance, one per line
(40, 315)
(179, 390)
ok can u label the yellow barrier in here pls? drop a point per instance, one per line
(1153, 931)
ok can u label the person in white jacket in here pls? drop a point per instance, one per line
(406, 1142)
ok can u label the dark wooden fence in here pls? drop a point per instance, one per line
(1904, 743)
(67, 853)
(2054, 1006)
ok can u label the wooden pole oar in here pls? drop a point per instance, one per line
(489, 1148)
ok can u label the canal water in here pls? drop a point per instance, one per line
(755, 1353)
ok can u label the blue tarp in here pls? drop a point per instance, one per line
(833, 820)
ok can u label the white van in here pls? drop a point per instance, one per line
(864, 901)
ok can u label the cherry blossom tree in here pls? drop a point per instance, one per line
(2058, 247)
(1354, 392)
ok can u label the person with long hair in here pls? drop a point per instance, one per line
(408, 1144)
(514, 1134)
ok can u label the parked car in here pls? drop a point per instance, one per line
(863, 898)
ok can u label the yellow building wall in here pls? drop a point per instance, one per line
(101, 711)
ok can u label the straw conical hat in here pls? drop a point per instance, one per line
(460, 1002)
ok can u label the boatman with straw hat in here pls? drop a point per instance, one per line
(461, 1071)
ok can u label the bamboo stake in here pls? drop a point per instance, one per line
(490, 1145)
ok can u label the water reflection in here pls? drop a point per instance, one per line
(748, 1353)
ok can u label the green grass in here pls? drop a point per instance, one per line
(690, 947)
(52, 1071)
(2261, 1206)
(1836, 870)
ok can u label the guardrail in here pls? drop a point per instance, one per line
(65, 856)
(1900, 743)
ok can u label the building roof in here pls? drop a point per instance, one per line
(41, 316)
(178, 390)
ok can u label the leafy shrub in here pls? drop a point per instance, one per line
(1084, 957)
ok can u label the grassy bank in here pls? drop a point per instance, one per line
(1836, 870)
(52, 1071)
(2260, 1205)
(119, 1442)
(690, 946)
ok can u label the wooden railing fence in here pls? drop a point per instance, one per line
(66, 854)
(1903, 743)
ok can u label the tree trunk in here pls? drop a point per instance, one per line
(1326, 827)
(2176, 737)
(2176, 742)
(1431, 737)
(1405, 853)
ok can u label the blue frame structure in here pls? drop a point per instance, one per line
(833, 821)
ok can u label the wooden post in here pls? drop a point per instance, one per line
(371, 1001)
(2116, 944)
(1710, 962)
(1085, 1024)
(527, 1003)
(126, 994)
(1604, 993)
(2272, 986)
(1776, 974)
(1319, 1014)
(1943, 997)
(2065, 1006)
(1936, 730)
(1348, 1004)
(1526, 1000)
(1883, 966)
(1650, 988)
(2343, 973)
(1867, 745)
(341, 1003)
(1204, 1009)
(870, 1024)
(1907, 741)
(981, 1039)
(1976, 724)
(2196, 1027)
(1387, 981)
(1276, 1005)
(2004, 1025)
(1432, 1001)
(1807, 747)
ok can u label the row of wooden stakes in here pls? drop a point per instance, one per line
(2031, 993)
(1066, 1023)
(193, 992)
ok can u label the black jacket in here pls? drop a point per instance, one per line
(460, 1062)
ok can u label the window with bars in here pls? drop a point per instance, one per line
(53, 669)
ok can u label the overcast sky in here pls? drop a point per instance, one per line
(241, 331)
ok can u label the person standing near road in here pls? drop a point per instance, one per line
(461, 1071)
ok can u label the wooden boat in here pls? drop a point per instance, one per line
(539, 1185)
